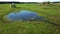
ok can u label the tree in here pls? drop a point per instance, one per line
(48, 2)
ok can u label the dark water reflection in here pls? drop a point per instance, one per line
(24, 15)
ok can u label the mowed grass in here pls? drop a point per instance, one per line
(31, 27)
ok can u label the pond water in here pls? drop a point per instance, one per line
(24, 15)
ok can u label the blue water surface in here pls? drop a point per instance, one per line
(24, 15)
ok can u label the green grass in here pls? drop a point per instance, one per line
(51, 12)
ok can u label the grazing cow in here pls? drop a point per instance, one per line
(13, 5)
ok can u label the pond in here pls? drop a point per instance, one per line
(24, 15)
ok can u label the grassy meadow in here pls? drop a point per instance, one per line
(51, 12)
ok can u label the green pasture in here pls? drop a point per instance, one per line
(51, 12)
